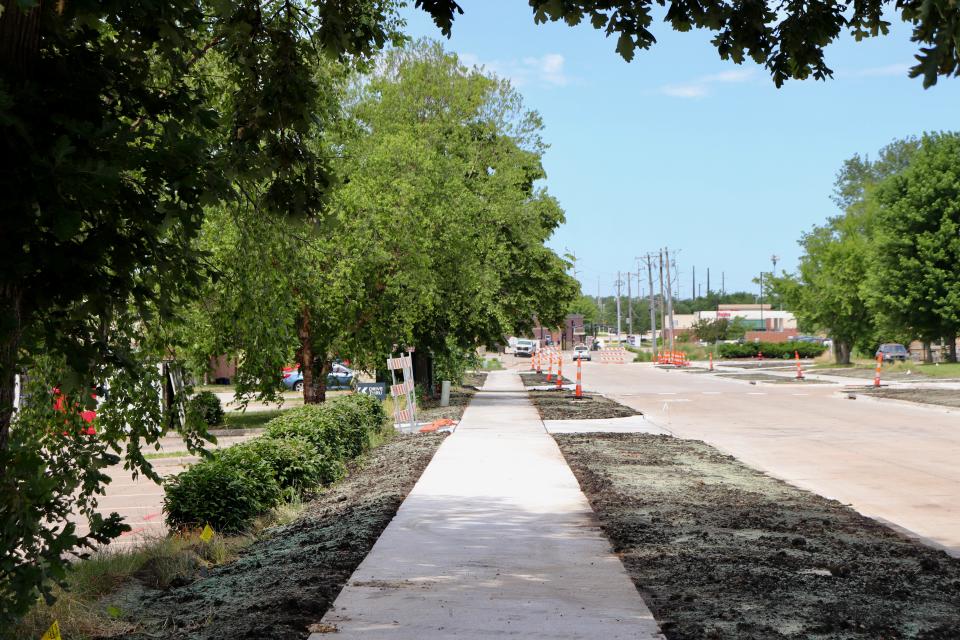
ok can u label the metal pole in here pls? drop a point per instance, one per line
(762, 326)
(663, 307)
(629, 304)
(653, 309)
(670, 301)
(619, 283)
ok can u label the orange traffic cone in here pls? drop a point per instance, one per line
(579, 392)
(549, 367)
(796, 354)
(559, 370)
(876, 374)
(711, 361)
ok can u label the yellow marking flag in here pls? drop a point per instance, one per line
(207, 534)
(53, 633)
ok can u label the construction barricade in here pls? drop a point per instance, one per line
(673, 358)
(613, 355)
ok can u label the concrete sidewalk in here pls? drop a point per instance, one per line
(496, 539)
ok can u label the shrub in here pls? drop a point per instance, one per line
(771, 349)
(221, 493)
(313, 423)
(206, 406)
(296, 465)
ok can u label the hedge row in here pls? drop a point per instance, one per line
(302, 449)
(771, 350)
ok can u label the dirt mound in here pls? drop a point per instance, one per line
(719, 550)
(284, 583)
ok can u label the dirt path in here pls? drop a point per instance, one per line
(722, 551)
(286, 582)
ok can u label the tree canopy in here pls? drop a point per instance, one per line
(885, 268)
(789, 39)
(914, 282)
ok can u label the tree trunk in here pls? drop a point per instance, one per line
(305, 356)
(951, 344)
(927, 352)
(19, 38)
(423, 371)
(11, 321)
(321, 380)
(841, 352)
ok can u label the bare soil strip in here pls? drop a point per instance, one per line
(944, 397)
(720, 550)
(283, 584)
(766, 377)
(460, 396)
(562, 405)
(534, 379)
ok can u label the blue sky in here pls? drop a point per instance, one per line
(679, 148)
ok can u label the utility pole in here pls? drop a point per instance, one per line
(599, 308)
(629, 304)
(619, 284)
(663, 306)
(653, 310)
(763, 327)
(669, 300)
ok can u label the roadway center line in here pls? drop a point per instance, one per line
(711, 393)
(756, 393)
(801, 394)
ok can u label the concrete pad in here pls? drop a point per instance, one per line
(496, 539)
(629, 424)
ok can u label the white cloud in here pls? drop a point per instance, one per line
(700, 87)
(877, 72)
(546, 70)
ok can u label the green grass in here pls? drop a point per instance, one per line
(491, 364)
(249, 419)
(83, 609)
(215, 388)
(942, 370)
(166, 454)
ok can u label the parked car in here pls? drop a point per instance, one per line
(892, 351)
(582, 352)
(526, 348)
(340, 377)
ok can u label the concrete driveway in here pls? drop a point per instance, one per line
(890, 460)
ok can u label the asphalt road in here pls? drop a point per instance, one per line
(892, 461)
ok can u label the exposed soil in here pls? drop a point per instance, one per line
(285, 582)
(562, 405)
(719, 550)
(766, 377)
(945, 397)
(534, 379)
(460, 396)
(867, 374)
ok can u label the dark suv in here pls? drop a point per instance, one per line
(891, 352)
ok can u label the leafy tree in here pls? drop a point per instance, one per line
(587, 307)
(715, 330)
(789, 40)
(829, 292)
(914, 282)
(112, 145)
(442, 187)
